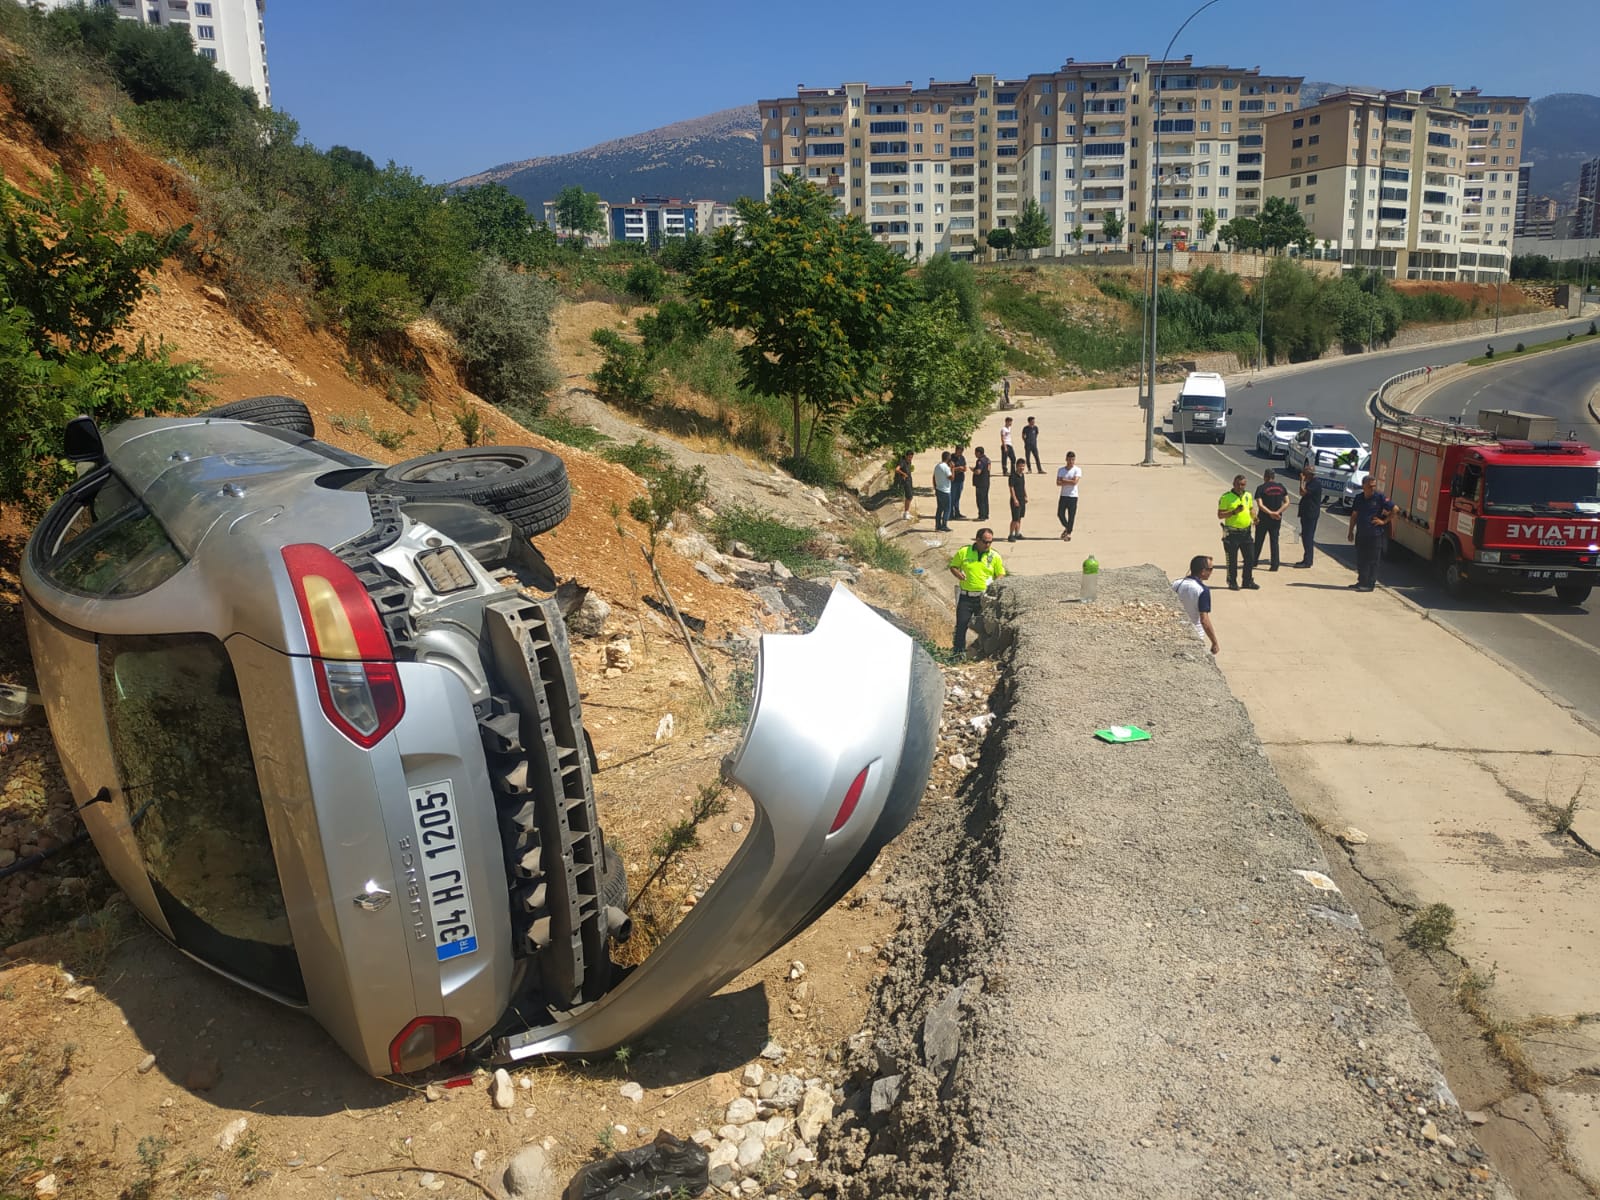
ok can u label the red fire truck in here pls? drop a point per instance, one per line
(1501, 511)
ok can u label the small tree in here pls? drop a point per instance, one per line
(1208, 224)
(578, 211)
(1032, 228)
(815, 295)
(944, 276)
(1112, 225)
(1000, 239)
(1077, 236)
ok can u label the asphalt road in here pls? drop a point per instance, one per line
(1557, 645)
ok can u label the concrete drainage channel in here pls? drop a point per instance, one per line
(1124, 971)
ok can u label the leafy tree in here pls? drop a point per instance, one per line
(498, 223)
(578, 211)
(937, 381)
(684, 253)
(1032, 228)
(1112, 225)
(1241, 233)
(70, 274)
(1281, 225)
(626, 373)
(1000, 239)
(944, 276)
(1208, 224)
(1077, 235)
(815, 295)
(502, 329)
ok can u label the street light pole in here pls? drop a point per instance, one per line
(1155, 186)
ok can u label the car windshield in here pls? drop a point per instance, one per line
(1187, 401)
(1337, 439)
(1542, 489)
(102, 541)
(1292, 424)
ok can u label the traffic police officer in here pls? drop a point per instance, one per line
(975, 567)
(1237, 512)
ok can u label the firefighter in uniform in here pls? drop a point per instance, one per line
(975, 567)
(1237, 512)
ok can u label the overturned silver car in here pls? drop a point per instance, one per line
(325, 752)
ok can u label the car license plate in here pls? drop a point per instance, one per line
(1547, 574)
(444, 870)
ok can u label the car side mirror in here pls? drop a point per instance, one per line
(1230, 412)
(81, 442)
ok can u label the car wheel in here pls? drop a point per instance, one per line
(1572, 593)
(1262, 447)
(527, 487)
(1455, 580)
(280, 412)
(613, 882)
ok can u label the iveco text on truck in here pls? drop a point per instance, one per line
(1503, 512)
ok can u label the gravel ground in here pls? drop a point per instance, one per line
(1114, 979)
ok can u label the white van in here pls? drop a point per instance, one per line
(1205, 398)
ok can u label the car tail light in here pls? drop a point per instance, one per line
(357, 679)
(425, 1041)
(852, 797)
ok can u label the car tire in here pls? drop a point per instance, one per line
(1572, 593)
(527, 487)
(280, 412)
(613, 882)
(1450, 572)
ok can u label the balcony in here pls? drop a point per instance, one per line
(1248, 176)
(1104, 173)
(1105, 106)
(1098, 195)
(890, 210)
(1105, 129)
(888, 189)
(963, 206)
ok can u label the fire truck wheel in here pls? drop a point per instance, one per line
(1455, 581)
(1572, 593)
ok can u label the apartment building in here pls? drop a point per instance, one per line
(1586, 220)
(230, 33)
(1402, 181)
(599, 237)
(930, 169)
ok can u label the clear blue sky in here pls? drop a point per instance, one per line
(452, 89)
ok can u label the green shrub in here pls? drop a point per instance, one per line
(626, 374)
(871, 547)
(645, 281)
(641, 457)
(770, 538)
(674, 323)
(738, 693)
(1431, 928)
(559, 428)
(503, 330)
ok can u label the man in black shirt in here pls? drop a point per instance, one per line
(1370, 518)
(1272, 498)
(1309, 511)
(980, 482)
(1030, 446)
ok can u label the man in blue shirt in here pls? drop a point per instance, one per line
(1371, 517)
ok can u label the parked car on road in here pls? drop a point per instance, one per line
(326, 752)
(1277, 432)
(1333, 453)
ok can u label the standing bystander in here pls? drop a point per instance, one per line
(1236, 511)
(1067, 479)
(1309, 512)
(1030, 446)
(975, 568)
(981, 467)
(958, 482)
(1008, 452)
(1272, 500)
(1195, 597)
(902, 480)
(1370, 519)
(1017, 484)
(941, 491)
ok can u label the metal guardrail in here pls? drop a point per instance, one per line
(1380, 409)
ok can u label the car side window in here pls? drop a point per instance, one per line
(183, 754)
(100, 540)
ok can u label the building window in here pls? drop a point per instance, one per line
(206, 32)
(204, 10)
(206, 52)
(1311, 198)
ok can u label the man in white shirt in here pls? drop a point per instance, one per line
(1067, 507)
(1195, 597)
(1008, 454)
(941, 492)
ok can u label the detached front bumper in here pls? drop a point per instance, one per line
(836, 756)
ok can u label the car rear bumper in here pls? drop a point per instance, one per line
(1529, 579)
(836, 756)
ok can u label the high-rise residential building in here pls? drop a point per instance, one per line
(231, 33)
(931, 169)
(1586, 220)
(1524, 198)
(1412, 183)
